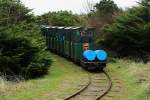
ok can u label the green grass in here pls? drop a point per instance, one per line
(62, 78)
(135, 77)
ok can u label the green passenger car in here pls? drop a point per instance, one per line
(72, 42)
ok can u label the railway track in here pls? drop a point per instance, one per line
(99, 85)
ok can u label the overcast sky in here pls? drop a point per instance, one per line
(76, 6)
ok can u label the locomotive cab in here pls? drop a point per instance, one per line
(92, 59)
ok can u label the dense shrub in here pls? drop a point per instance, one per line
(21, 44)
(19, 57)
(40, 65)
(129, 35)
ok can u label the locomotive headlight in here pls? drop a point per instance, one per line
(89, 55)
(101, 55)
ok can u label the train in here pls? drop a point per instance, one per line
(76, 44)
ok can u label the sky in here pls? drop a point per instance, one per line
(76, 6)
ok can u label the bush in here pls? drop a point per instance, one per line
(37, 69)
(40, 65)
(129, 35)
(19, 57)
(21, 42)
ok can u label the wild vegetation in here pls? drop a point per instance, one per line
(103, 14)
(129, 33)
(21, 42)
(62, 18)
(23, 56)
(21, 45)
(63, 79)
(134, 77)
(123, 33)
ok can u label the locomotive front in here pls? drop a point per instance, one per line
(92, 59)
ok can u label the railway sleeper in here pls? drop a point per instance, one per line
(99, 78)
(89, 94)
(114, 90)
(93, 91)
(110, 95)
(100, 86)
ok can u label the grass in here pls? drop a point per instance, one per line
(135, 77)
(63, 77)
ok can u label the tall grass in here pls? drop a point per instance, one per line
(136, 77)
(8, 86)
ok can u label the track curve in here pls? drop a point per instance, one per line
(98, 86)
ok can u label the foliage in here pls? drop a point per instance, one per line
(12, 11)
(61, 18)
(129, 34)
(105, 11)
(40, 65)
(15, 53)
(24, 54)
(130, 72)
(21, 44)
(106, 6)
(60, 71)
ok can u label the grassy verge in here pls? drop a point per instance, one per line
(135, 77)
(62, 78)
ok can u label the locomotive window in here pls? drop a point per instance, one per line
(78, 33)
(86, 39)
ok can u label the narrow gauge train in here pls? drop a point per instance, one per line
(75, 43)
